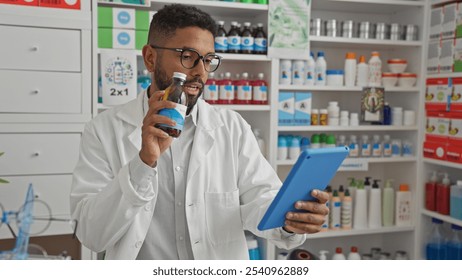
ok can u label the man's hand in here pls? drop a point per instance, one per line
(311, 220)
(154, 140)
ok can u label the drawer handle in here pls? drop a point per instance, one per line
(34, 48)
(36, 154)
(36, 91)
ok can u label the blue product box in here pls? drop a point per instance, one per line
(286, 110)
(302, 108)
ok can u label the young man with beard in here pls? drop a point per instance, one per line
(139, 194)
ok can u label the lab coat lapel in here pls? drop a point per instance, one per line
(132, 113)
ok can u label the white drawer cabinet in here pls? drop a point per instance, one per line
(40, 92)
(27, 48)
(36, 153)
(54, 190)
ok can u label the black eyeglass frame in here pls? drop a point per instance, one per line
(200, 57)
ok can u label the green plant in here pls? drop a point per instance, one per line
(2, 181)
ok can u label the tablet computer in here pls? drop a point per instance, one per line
(313, 170)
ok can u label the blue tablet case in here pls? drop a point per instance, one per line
(313, 170)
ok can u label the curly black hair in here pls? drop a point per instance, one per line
(172, 17)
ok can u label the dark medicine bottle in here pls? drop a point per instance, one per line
(260, 40)
(234, 39)
(221, 40)
(175, 93)
(247, 40)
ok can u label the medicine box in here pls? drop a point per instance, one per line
(109, 38)
(447, 56)
(436, 150)
(455, 98)
(433, 57)
(286, 110)
(124, 18)
(61, 4)
(454, 153)
(302, 108)
(436, 20)
(448, 26)
(21, 2)
(437, 94)
(455, 129)
(436, 126)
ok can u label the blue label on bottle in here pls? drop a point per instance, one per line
(177, 114)
(221, 44)
(234, 43)
(259, 44)
(123, 38)
(247, 44)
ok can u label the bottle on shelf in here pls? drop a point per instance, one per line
(226, 90)
(310, 68)
(360, 207)
(443, 193)
(304, 143)
(244, 90)
(375, 206)
(285, 72)
(354, 255)
(335, 209)
(254, 251)
(323, 140)
(330, 141)
(354, 146)
(435, 248)
(387, 114)
(325, 225)
(347, 211)
(388, 204)
(375, 70)
(366, 148)
(338, 254)
(377, 149)
(234, 38)
(350, 69)
(387, 151)
(362, 76)
(352, 188)
(454, 244)
(211, 94)
(294, 148)
(320, 70)
(314, 116)
(174, 92)
(456, 201)
(315, 141)
(430, 192)
(403, 214)
(341, 192)
(221, 40)
(260, 90)
(247, 40)
(298, 72)
(283, 148)
(341, 141)
(260, 41)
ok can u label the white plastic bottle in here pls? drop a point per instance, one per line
(320, 70)
(283, 148)
(362, 74)
(386, 146)
(366, 148)
(376, 146)
(354, 146)
(375, 206)
(285, 75)
(338, 254)
(354, 255)
(403, 206)
(298, 72)
(294, 148)
(350, 69)
(388, 204)
(323, 254)
(347, 211)
(310, 67)
(360, 207)
(375, 70)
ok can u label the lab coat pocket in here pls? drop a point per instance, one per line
(223, 217)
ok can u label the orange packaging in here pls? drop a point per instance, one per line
(21, 2)
(62, 4)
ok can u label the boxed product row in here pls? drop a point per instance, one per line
(249, 40)
(62, 4)
(443, 94)
(444, 241)
(444, 56)
(446, 22)
(444, 127)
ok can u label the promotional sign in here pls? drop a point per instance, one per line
(118, 75)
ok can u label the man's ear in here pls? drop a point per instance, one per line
(149, 57)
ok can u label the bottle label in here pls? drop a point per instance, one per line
(366, 150)
(260, 93)
(234, 43)
(377, 150)
(387, 149)
(221, 44)
(227, 92)
(211, 92)
(247, 43)
(244, 92)
(177, 114)
(259, 44)
(354, 151)
(309, 76)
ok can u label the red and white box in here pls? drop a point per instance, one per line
(454, 153)
(62, 4)
(21, 2)
(455, 128)
(436, 126)
(437, 93)
(455, 98)
(436, 150)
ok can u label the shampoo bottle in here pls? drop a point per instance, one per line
(360, 207)
(354, 255)
(338, 254)
(443, 193)
(375, 207)
(430, 192)
(388, 204)
(347, 211)
(335, 209)
(403, 206)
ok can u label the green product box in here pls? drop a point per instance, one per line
(105, 38)
(120, 18)
(142, 20)
(109, 38)
(141, 39)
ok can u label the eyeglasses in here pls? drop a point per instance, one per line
(190, 58)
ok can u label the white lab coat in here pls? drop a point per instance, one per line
(229, 186)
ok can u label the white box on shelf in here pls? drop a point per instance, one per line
(433, 57)
(448, 27)
(286, 108)
(436, 20)
(447, 56)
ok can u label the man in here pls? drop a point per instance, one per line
(139, 194)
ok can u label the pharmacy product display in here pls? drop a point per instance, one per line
(241, 38)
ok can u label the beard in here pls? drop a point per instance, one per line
(162, 82)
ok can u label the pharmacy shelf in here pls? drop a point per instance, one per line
(218, 8)
(443, 163)
(356, 232)
(367, 160)
(326, 128)
(445, 218)
(226, 56)
(241, 108)
(45, 17)
(343, 88)
(445, 75)
(366, 6)
(442, 2)
(343, 43)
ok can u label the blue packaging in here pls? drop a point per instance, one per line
(286, 110)
(302, 115)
